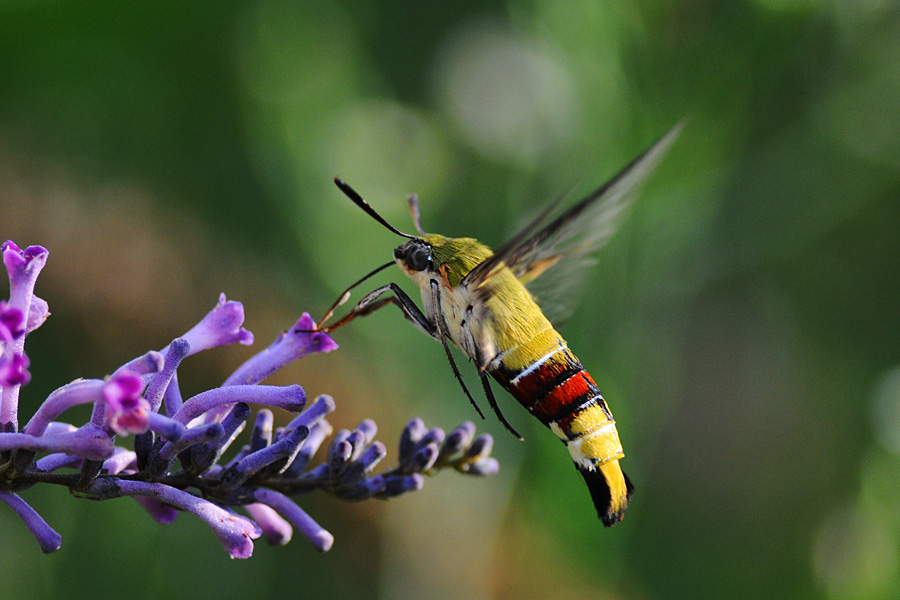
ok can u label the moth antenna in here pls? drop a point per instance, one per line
(413, 201)
(357, 199)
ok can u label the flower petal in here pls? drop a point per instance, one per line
(49, 539)
(220, 326)
(291, 345)
(126, 410)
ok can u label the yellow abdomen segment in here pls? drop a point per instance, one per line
(548, 380)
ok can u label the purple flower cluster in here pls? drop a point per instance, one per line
(175, 462)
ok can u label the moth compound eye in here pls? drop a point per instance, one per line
(418, 258)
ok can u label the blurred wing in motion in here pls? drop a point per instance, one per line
(567, 243)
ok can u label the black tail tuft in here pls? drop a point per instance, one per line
(610, 508)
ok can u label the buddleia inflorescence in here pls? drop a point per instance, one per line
(179, 458)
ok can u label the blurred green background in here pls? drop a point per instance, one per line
(743, 324)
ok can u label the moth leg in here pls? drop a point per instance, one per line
(372, 302)
(493, 402)
(441, 335)
(485, 382)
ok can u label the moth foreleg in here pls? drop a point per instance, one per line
(373, 301)
(493, 402)
(441, 335)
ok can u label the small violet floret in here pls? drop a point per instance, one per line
(126, 410)
(221, 326)
(13, 364)
(11, 321)
(14, 369)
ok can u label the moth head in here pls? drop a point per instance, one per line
(415, 256)
(425, 254)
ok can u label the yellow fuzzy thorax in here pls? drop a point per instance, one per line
(516, 324)
(456, 256)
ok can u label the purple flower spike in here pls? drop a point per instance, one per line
(291, 345)
(411, 435)
(14, 369)
(262, 430)
(57, 460)
(172, 397)
(434, 436)
(38, 313)
(425, 458)
(119, 461)
(317, 341)
(191, 437)
(168, 428)
(89, 442)
(367, 488)
(220, 327)
(23, 267)
(323, 405)
(287, 446)
(126, 410)
(276, 530)
(176, 461)
(368, 429)
(339, 455)
(317, 435)
(235, 532)
(372, 456)
(395, 486)
(80, 391)
(321, 539)
(11, 322)
(146, 364)
(204, 456)
(161, 513)
(13, 362)
(357, 441)
(458, 439)
(177, 350)
(291, 398)
(55, 427)
(483, 467)
(49, 540)
(481, 446)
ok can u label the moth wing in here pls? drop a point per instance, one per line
(547, 259)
